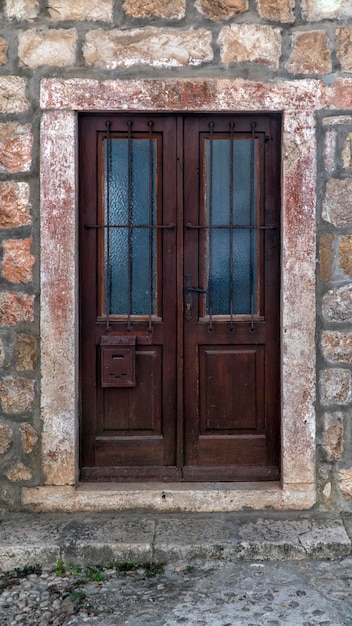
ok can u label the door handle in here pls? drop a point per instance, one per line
(188, 296)
(197, 289)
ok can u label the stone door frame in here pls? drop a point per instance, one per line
(61, 100)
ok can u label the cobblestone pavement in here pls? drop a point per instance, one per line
(288, 593)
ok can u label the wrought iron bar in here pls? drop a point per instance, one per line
(252, 205)
(150, 124)
(233, 227)
(167, 226)
(108, 262)
(210, 278)
(129, 220)
(231, 223)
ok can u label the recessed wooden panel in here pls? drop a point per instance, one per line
(123, 451)
(231, 388)
(137, 409)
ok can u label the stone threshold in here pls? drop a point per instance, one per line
(140, 537)
(171, 497)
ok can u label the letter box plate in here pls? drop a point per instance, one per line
(118, 358)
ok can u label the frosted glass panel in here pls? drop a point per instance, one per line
(130, 254)
(218, 212)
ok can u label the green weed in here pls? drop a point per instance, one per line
(77, 595)
(60, 569)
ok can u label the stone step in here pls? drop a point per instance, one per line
(98, 538)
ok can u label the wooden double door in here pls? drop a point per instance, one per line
(179, 297)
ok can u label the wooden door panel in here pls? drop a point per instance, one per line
(128, 284)
(231, 389)
(137, 410)
(129, 451)
(233, 451)
(231, 330)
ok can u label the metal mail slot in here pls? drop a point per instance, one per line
(118, 361)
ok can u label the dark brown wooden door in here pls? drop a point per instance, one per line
(179, 313)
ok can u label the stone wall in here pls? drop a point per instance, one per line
(335, 305)
(259, 40)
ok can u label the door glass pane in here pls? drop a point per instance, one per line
(243, 257)
(130, 282)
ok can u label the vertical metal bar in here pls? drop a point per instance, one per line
(151, 230)
(252, 220)
(180, 326)
(210, 230)
(129, 223)
(232, 125)
(108, 262)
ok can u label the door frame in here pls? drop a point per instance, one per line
(60, 101)
(182, 447)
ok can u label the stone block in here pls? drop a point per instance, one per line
(276, 10)
(345, 253)
(167, 9)
(3, 51)
(13, 94)
(218, 10)
(22, 9)
(337, 346)
(6, 438)
(158, 47)
(337, 304)
(345, 482)
(37, 47)
(344, 47)
(15, 206)
(17, 260)
(311, 54)
(250, 43)
(333, 435)
(330, 150)
(347, 153)
(18, 472)
(81, 10)
(16, 308)
(336, 120)
(326, 256)
(335, 386)
(337, 202)
(26, 353)
(15, 148)
(29, 437)
(16, 394)
(8, 495)
(2, 354)
(316, 10)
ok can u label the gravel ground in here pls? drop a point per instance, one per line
(289, 593)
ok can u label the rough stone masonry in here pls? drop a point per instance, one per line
(258, 40)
